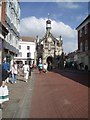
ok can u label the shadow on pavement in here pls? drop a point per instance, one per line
(78, 76)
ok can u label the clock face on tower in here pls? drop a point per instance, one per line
(49, 39)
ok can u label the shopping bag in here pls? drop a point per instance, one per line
(4, 94)
(0, 95)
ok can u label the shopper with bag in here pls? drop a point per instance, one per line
(4, 95)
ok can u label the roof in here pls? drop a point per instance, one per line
(50, 35)
(28, 38)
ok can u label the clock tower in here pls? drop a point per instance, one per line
(48, 25)
(49, 48)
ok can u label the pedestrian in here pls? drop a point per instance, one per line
(26, 71)
(14, 72)
(45, 67)
(30, 69)
(40, 67)
(86, 67)
(5, 71)
(16, 68)
(4, 94)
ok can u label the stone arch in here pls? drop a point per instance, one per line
(49, 61)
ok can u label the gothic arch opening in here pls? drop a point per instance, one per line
(50, 62)
(49, 59)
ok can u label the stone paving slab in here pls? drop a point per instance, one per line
(51, 95)
(20, 94)
(57, 96)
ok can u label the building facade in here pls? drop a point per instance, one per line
(26, 50)
(49, 49)
(84, 42)
(10, 18)
(3, 33)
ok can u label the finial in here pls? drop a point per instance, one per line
(48, 16)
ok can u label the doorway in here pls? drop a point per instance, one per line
(50, 62)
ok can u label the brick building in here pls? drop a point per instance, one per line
(84, 42)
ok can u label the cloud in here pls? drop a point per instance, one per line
(69, 5)
(81, 17)
(32, 26)
(56, 16)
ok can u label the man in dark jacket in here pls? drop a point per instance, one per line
(5, 70)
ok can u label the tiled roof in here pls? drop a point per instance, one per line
(27, 39)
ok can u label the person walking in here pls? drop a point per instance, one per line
(40, 67)
(5, 71)
(14, 72)
(45, 67)
(26, 71)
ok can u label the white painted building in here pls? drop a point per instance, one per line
(26, 50)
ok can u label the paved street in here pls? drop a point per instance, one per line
(20, 94)
(57, 94)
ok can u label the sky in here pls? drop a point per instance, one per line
(64, 16)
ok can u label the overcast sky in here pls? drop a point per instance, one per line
(65, 17)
